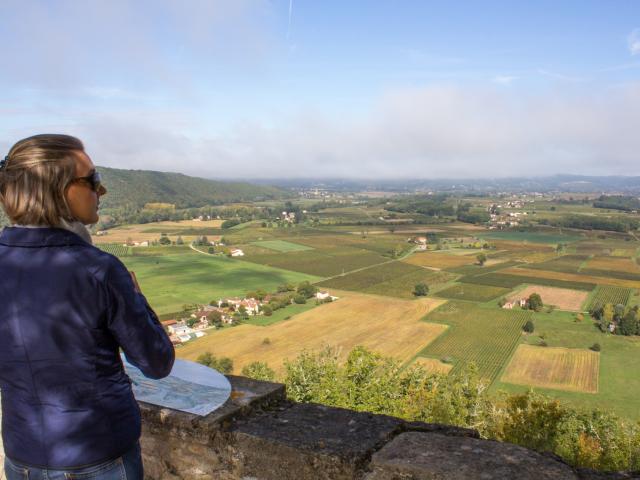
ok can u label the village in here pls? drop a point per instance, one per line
(230, 312)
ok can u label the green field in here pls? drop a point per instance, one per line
(282, 246)
(472, 292)
(394, 278)
(486, 337)
(619, 385)
(609, 294)
(510, 281)
(170, 281)
(565, 263)
(533, 237)
(322, 263)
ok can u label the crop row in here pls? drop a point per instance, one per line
(116, 249)
(509, 281)
(481, 336)
(609, 294)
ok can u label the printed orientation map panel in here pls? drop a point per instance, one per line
(190, 387)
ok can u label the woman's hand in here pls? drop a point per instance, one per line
(135, 281)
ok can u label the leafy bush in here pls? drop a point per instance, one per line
(528, 327)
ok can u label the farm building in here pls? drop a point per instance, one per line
(236, 252)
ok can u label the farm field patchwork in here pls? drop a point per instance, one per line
(472, 292)
(609, 294)
(562, 298)
(486, 337)
(569, 277)
(170, 281)
(621, 264)
(389, 326)
(393, 278)
(554, 367)
(281, 246)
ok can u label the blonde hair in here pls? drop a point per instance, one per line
(35, 176)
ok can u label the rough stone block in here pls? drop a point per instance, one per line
(310, 441)
(430, 456)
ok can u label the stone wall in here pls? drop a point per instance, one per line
(259, 435)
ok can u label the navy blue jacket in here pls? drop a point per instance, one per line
(65, 309)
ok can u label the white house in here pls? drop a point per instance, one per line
(236, 252)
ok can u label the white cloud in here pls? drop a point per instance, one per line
(422, 132)
(634, 42)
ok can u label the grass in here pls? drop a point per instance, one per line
(170, 281)
(554, 367)
(471, 292)
(282, 246)
(619, 383)
(389, 326)
(486, 337)
(281, 314)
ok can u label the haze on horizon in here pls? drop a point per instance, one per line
(306, 89)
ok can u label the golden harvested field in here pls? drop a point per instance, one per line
(619, 264)
(139, 233)
(433, 365)
(571, 277)
(574, 370)
(562, 298)
(385, 325)
(439, 260)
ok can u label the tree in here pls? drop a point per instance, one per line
(421, 290)
(482, 258)
(595, 347)
(528, 327)
(259, 371)
(534, 302)
(164, 240)
(179, 241)
(215, 318)
(267, 310)
(223, 364)
(306, 289)
(191, 322)
(300, 299)
(211, 250)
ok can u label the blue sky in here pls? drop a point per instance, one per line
(255, 88)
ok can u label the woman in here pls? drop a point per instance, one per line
(66, 308)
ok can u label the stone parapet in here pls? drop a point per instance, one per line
(259, 435)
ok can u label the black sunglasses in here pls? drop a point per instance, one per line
(94, 180)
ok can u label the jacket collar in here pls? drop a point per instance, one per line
(39, 237)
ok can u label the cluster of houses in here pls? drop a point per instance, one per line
(180, 332)
(421, 242)
(502, 220)
(522, 302)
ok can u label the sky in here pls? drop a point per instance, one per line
(329, 89)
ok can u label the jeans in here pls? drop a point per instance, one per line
(126, 467)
